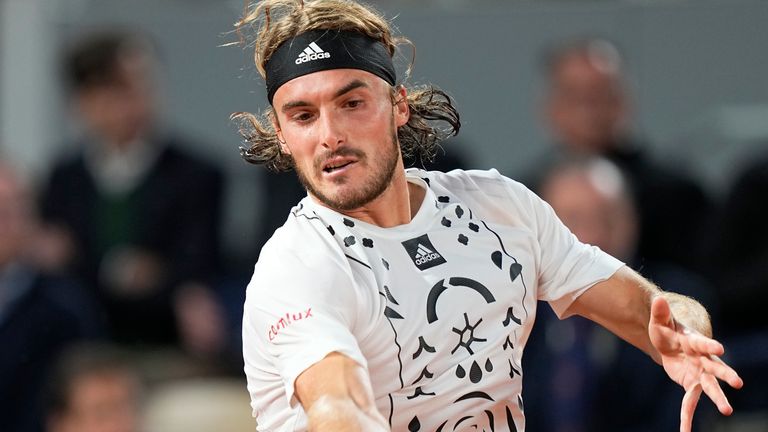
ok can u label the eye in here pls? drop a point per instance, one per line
(353, 103)
(302, 117)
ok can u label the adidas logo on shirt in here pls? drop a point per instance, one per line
(312, 52)
(423, 253)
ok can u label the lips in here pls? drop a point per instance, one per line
(337, 163)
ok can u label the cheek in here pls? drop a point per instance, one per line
(300, 151)
(294, 141)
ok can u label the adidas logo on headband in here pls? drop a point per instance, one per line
(342, 50)
(312, 52)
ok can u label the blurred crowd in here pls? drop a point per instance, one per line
(115, 293)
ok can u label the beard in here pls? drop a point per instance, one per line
(369, 188)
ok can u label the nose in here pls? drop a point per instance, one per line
(331, 130)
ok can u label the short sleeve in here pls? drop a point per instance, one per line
(298, 309)
(567, 267)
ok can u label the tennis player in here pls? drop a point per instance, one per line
(401, 300)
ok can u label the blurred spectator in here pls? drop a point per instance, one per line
(588, 112)
(94, 389)
(39, 314)
(132, 212)
(579, 373)
(282, 191)
(739, 266)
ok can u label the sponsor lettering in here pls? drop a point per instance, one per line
(427, 258)
(303, 58)
(423, 253)
(285, 321)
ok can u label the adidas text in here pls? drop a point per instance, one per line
(426, 258)
(303, 58)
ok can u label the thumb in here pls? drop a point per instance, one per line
(661, 327)
(661, 314)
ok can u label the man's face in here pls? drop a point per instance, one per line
(586, 106)
(104, 402)
(598, 217)
(340, 128)
(120, 110)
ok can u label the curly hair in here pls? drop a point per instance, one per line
(275, 21)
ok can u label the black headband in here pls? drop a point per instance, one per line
(319, 50)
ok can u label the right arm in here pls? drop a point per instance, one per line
(301, 343)
(337, 396)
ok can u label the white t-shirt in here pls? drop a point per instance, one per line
(437, 310)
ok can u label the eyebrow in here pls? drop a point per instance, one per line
(349, 87)
(354, 84)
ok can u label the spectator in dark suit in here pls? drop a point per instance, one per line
(578, 372)
(588, 111)
(739, 266)
(39, 314)
(132, 212)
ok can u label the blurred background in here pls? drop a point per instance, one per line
(676, 93)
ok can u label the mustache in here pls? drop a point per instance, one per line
(340, 152)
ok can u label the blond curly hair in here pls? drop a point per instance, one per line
(267, 24)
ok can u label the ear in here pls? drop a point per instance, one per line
(276, 125)
(402, 112)
(283, 146)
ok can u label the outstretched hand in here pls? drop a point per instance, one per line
(691, 360)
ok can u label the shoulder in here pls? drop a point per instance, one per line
(487, 182)
(653, 174)
(493, 197)
(754, 172)
(69, 164)
(301, 267)
(61, 301)
(301, 250)
(481, 188)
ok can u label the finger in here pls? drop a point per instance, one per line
(712, 389)
(701, 344)
(715, 366)
(661, 314)
(690, 400)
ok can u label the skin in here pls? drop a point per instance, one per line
(586, 105)
(117, 113)
(120, 111)
(100, 402)
(344, 118)
(604, 216)
(673, 329)
(14, 217)
(598, 216)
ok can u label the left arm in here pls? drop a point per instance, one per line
(673, 329)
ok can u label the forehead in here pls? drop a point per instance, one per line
(325, 84)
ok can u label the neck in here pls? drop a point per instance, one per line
(397, 205)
